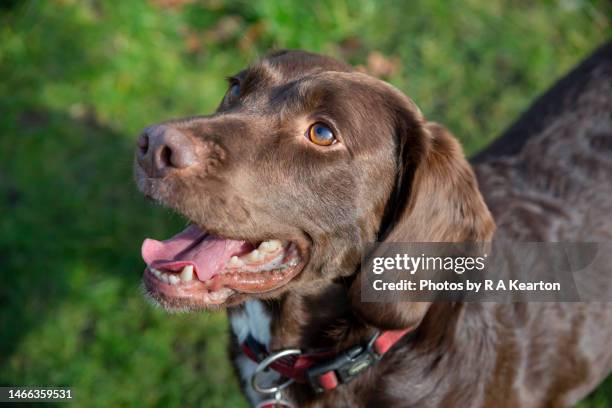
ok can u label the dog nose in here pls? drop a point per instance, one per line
(162, 149)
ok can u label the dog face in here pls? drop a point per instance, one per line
(304, 163)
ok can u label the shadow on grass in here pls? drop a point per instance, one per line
(72, 219)
(72, 311)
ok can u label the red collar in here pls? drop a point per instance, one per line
(325, 370)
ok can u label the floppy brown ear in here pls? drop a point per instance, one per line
(444, 203)
(436, 199)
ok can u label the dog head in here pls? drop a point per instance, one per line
(303, 164)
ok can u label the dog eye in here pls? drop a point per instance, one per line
(320, 134)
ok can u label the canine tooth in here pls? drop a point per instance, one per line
(270, 246)
(155, 272)
(235, 262)
(255, 256)
(187, 273)
(173, 279)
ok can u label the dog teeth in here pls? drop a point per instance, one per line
(235, 262)
(270, 246)
(155, 272)
(255, 256)
(268, 256)
(187, 273)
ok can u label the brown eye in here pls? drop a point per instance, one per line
(320, 134)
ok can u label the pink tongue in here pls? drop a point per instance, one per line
(207, 253)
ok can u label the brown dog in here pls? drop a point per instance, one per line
(306, 161)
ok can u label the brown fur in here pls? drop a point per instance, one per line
(393, 176)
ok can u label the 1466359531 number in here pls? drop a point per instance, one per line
(27, 394)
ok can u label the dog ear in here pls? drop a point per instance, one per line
(442, 202)
(435, 199)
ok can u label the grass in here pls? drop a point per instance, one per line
(81, 78)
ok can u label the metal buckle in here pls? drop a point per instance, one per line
(276, 402)
(264, 364)
(347, 365)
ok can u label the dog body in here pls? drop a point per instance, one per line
(520, 355)
(307, 151)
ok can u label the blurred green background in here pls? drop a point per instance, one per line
(79, 79)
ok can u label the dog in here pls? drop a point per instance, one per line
(306, 162)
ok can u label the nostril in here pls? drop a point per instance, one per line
(165, 157)
(143, 143)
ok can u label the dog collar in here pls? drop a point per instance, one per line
(323, 370)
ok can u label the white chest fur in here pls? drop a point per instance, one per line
(252, 320)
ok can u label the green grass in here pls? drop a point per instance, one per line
(81, 78)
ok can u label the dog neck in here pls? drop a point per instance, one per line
(325, 320)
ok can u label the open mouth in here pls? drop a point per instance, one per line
(195, 268)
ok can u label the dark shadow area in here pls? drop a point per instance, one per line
(72, 218)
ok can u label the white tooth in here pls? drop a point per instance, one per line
(173, 279)
(164, 277)
(235, 262)
(255, 256)
(187, 273)
(155, 272)
(270, 246)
